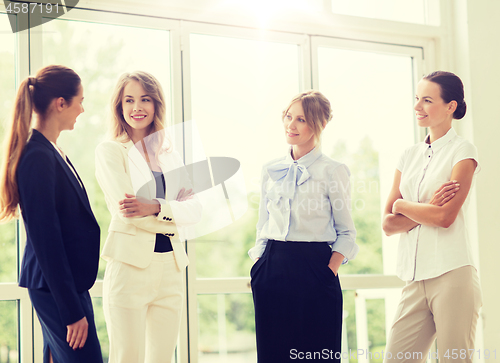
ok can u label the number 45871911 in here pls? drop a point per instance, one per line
(24, 8)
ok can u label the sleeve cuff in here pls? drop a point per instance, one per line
(166, 213)
(257, 251)
(347, 248)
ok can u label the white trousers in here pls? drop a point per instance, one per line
(142, 309)
(446, 307)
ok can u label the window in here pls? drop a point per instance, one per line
(371, 92)
(100, 53)
(239, 88)
(410, 11)
(8, 257)
(8, 242)
(234, 83)
(8, 332)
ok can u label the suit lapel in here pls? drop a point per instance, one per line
(80, 190)
(74, 181)
(140, 174)
(172, 174)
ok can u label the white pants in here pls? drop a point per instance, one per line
(446, 307)
(142, 308)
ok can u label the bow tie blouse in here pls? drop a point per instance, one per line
(306, 200)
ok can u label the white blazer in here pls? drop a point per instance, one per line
(120, 169)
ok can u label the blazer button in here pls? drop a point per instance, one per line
(169, 219)
(164, 218)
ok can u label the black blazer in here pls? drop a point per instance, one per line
(62, 247)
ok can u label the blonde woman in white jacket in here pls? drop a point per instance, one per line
(148, 194)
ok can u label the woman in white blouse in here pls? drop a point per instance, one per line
(427, 206)
(305, 231)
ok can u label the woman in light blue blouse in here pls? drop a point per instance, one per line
(305, 232)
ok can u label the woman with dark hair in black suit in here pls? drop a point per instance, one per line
(62, 248)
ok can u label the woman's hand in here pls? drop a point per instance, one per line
(77, 333)
(445, 193)
(184, 195)
(133, 206)
(395, 206)
(441, 196)
(335, 262)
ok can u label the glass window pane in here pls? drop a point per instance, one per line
(100, 325)
(226, 329)
(409, 11)
(8, 332)
(239, 89)
(368, 317)
(100, 53)
(8, 254)
(372, 101)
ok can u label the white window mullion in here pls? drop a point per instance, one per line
(189, 327)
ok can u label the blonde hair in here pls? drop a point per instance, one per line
(119, 127)
(317, 111)
(34, 94)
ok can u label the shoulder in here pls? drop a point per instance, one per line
(274, 161)
(110, 147)
(37, 162)
(36, 152)
(266, 165)
(332, 166)
(171, 158)
(413, 148)
(170, 153)
(458, 142)
(409, 153)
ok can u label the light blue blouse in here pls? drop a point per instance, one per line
(306, 200)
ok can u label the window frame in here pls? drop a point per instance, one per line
(427, 44)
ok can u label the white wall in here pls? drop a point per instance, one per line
(483, 32)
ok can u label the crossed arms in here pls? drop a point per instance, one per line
(402, 215)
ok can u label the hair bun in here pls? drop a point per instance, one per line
(460, 111)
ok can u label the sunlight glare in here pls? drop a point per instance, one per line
(266, 10)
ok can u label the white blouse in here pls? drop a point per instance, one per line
(426, 252)
(306, 200)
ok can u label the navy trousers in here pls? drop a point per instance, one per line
(298, 303)
(55, 332)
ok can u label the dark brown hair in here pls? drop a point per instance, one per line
(34, 94)
(452, 89)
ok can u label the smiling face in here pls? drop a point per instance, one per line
(138, 108)
(431, 110)
(72, 110)
(297, 131)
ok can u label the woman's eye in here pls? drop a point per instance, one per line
(428, 101)
(288, 117)
(302, 120)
